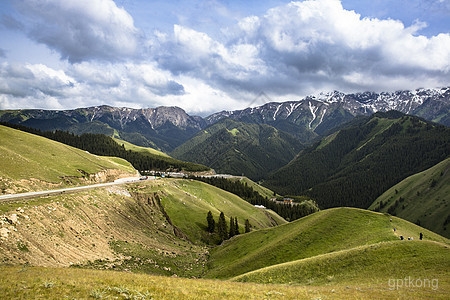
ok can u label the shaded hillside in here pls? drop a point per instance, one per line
(422, 198)
(239, 148)
(356, 164)
(320, 233)
(30, 163)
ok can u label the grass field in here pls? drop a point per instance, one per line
(61, 283)
(422, 198)
(26, 156)
(133, 147)
(320, 233)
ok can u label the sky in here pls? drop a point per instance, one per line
(210, 55)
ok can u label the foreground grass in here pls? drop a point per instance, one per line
(372, 264)
(68, 283)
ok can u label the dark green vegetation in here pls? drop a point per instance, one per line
(248, 193)
(238, 148)
(101, 144)
(422, 198)
(356, 164)
(323, 232)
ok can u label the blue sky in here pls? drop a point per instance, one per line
(206, 56)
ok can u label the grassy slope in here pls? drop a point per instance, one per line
(121, 227)
(323, 232)
(133, 147)
(50, 283)
(25, 156)
(263, 191)
(422, 201)
(368, 264)
(188, 201)
(107, 227)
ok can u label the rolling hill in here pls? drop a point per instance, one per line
(323, 232)
(238, 148)
(356, 164)
(30, 162)
(381, 263)
(421, 198)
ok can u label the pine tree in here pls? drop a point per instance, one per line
(247, 226)
(211, 222)
(222, 227)
(236, 226)
(232, 230)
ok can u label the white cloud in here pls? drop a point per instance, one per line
(81, 29)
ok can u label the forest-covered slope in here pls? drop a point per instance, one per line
(356, 164)
(239, 148)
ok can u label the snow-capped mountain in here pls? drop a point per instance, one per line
(322, 111)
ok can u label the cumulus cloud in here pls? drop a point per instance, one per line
(305, 46)
(290, 51)
(86, 84)
(81, 29)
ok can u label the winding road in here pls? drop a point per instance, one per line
(15, 197)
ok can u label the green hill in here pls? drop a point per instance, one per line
(421, 198)
(187, 202)
(355, 165)
(130, 146)
(320, 233)
(238, 148)
(31, 162)
(382, 263)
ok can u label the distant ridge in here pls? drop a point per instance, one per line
(165, 128)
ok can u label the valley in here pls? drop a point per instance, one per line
(118, 236)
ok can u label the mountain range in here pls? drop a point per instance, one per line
(166, 128)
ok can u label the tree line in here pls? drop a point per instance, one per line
(287, 211)
(101, 144)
